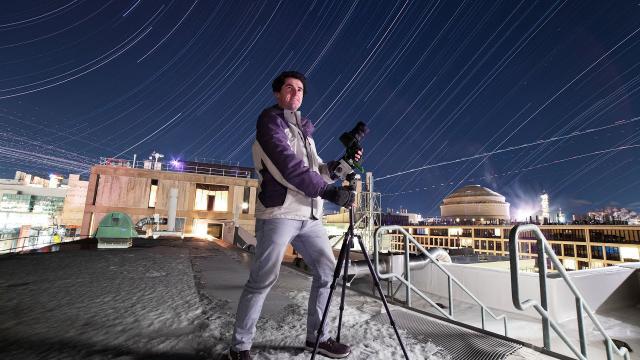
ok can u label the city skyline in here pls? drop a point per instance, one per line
(517, 97)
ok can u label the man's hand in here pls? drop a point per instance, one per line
(358, 155)
(339, 196)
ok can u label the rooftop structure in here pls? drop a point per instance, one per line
(474, 204)
(211, 198)
(218, 168)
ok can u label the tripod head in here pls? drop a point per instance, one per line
(353, 179)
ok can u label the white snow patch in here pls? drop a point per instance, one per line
(284, 337)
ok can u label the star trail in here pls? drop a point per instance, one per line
(517, 96)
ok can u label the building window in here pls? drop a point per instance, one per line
(153, 192)
(211, 197)
(95, 190)
(613, 253)
(439, 232)
(568, 250)
(581, 250)
(596, 252)
(245, 200)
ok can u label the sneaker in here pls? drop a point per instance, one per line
(330, 348)
(239, 355)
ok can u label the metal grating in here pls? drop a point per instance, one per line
(458, 342)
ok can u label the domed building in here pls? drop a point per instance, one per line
(474, 204)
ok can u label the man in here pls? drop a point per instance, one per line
(293, 182)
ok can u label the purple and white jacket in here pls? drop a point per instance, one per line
(290, 172)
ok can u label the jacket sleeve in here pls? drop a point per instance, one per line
(280, 159)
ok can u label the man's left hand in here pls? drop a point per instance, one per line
(358, 155)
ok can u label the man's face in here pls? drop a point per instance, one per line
(291, 94)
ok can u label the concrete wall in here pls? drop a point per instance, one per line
(605, 288)
(74, 201)
(127, 190)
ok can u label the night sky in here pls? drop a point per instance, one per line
(519, 97)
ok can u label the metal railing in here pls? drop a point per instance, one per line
(224, 170)
(581, 306)
(410, 287)
(338, 239)
(28, 243)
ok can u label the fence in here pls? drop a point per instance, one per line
(34, 242)
(175, 166)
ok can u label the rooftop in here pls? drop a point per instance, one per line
(220, 168)
(176, 299)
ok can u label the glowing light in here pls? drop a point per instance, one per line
(176, 164)
(245, 206)
(523, 214)
(630, 253)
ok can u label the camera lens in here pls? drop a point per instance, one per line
(359, 131)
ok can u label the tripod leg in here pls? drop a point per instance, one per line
(344, 282)
(336, 275)
(376, 281)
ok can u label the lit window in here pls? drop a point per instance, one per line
(211, 197)
(245, 200)
(153, 193)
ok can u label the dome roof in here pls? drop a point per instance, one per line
(475, 202)
(472, 190)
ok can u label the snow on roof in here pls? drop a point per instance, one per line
(143, 302)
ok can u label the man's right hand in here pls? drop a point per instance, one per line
(339, 196)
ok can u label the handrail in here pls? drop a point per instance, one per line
(193, 169)
(542, 309)
(450, 278)
(25, 246)
(340, 238)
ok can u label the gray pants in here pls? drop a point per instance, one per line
(310, 240)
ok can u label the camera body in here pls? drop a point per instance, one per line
(351, 141)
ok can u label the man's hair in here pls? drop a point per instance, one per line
(278, 82)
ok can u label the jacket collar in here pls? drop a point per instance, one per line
(290, 116)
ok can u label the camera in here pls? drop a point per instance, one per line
(351, 141)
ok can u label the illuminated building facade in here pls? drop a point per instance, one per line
(30, 204)
(544, 208)
(474, 204)
(577, 246)
(210, 196)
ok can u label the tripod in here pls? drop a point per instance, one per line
(343, 258)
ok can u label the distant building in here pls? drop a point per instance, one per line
(474, 204)
(31, 204)
(212, 198)
(612, 215)
(544, 208)
(401, 217)
(73, 207)
(577, 246)
(391, 218)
